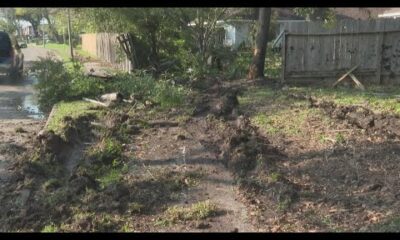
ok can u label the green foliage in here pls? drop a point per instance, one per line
(57, 83)
(109, 151)
(8, 22)
(54, 82)
(327, 15)
(168, 94)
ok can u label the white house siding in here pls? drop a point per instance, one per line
(230, 36)
(242, 34)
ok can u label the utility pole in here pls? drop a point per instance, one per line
(69, 36)
(44, 42)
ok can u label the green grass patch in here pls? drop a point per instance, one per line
(50, 228)
(256, 96)
(197, 211)
(63, 50)
(385, 101)
(73, 109)
(286, 121)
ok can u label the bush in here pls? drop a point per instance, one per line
(53, 82)
(58, 83)
(168, 94)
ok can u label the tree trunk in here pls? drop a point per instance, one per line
(256, 70)
(35, 28)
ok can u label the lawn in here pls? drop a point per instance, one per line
(74, 110)
(64, 51)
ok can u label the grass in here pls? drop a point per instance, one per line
(286, 121)
(73, 109)
(113, 176)
(392, 225)
(346, 96)
(341, 96)
(197, 211)
(49, 228)
(276, 113)
(63, 51)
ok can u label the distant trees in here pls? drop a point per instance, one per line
(31, 15)
(9, 21)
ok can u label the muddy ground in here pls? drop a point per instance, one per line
(20, 118)
(207, 166)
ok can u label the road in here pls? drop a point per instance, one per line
(20, 117)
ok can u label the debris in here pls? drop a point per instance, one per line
(203, 225)
(95, 102)
(180, 137)
(226, 104)
(111, 98)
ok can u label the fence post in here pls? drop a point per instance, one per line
(283, 50)
(379, 49)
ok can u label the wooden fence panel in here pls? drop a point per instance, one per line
(105, 46)
(314, 50)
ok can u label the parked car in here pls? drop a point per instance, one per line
(11, 57)
(22, 44)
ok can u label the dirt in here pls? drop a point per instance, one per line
(257, 181)
(344, 184)
(361, 117)
(20, 118)
(157, 148)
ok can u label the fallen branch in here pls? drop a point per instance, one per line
(95, 102)
(97, 124)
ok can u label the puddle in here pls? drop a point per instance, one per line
(29, 104)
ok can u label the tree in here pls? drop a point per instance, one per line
(256, 69)
(327, 15)
(31, 15)
(9, 22)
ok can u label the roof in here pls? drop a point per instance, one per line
(392, 12)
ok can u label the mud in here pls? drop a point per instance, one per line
(361, 117)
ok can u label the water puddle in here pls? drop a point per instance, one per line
(29, 105)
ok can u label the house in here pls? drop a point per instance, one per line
(233, 33)
(27, 31)
(237, 32)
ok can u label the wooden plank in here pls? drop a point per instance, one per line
(358, 83)
(345, 75)
(379, 49)
(283, 49)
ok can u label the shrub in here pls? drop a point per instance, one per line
(53, 82)
(59, 83)
(168, 94)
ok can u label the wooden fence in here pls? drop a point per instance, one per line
(106, 47)
(311, 50)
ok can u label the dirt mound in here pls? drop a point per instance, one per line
(361, 117)
(222, 103)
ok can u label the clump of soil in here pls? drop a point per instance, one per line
(242, 146)
(361, 117)
(220, 103)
